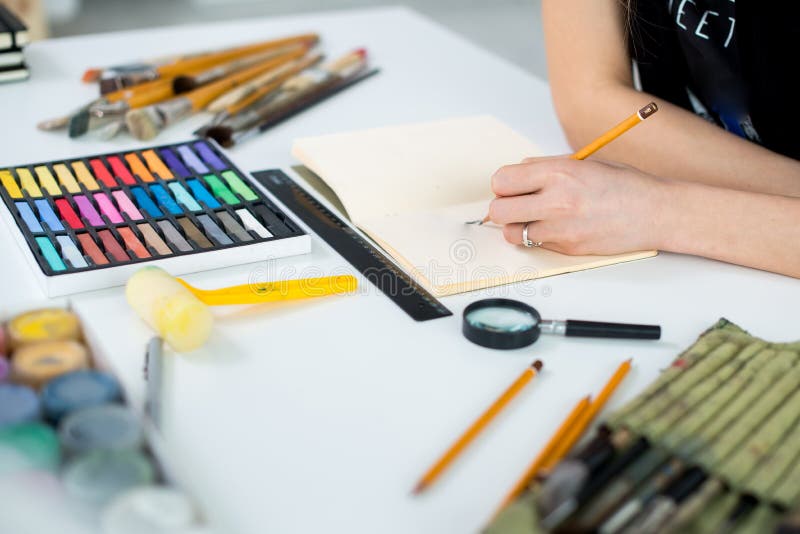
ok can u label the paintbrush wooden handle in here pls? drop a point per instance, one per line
(210, 60)
(202, 96)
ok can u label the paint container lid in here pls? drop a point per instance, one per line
(99, 476)
(18, 404)
(50, 324)
(5, 367)
(150, 510)
(107, 426)
(77, 390)
(27, 446)
(37, 364)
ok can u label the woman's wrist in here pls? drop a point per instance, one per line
(669, 213)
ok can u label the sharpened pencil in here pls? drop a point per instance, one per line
(477, 427)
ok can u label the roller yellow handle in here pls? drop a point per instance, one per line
(256, 293)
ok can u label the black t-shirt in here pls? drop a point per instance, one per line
(734, 62)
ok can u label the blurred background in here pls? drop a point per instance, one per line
(509, 28)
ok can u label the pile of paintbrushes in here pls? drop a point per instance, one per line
(713, 445)
(250, 88)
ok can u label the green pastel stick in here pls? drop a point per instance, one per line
(220, 190)
(688, 426)
(238, 185)
(714, 515)
(748, 417)
(762, 383)
(692, 400)
(51, 254)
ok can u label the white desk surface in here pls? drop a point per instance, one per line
(321, 416)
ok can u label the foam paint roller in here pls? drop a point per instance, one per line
(179, 313)
(170, 309)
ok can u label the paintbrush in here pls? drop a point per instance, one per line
(240, 98)
(62, 122)
(146, 122)
(297, 94)
(120, 102)
(144, 73)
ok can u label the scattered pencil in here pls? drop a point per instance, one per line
(601, 141)
(477, 427)
(543, 458)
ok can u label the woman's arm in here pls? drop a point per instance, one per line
(593, 207)
(590, 77)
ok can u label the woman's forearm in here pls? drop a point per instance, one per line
(752, 229)
(677, 143)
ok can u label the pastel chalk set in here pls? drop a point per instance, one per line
(91, 222)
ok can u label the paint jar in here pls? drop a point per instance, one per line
(151, 510)
(37, 364)
(77, 390)
(99, 476)
(106, 426)
(27, 446)
(50, 324)
(18, 404)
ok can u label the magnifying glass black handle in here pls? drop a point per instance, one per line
(612, 330)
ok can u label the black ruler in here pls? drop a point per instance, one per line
(395, 283)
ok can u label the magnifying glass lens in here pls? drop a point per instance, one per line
(502, 319)
(500, 323)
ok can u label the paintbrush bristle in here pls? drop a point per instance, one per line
(221, 134)
(143, 123)
(79, 123)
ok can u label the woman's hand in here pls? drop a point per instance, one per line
(579, 207)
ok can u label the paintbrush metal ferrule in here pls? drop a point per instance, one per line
(62, 122)
(123, 80)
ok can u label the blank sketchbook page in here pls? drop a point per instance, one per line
(448, 257)
(411, 188)
(417, 167)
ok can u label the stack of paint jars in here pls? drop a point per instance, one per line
(62, 416)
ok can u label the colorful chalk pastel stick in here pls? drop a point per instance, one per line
(107, 210)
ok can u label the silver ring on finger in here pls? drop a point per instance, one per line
(527, 242)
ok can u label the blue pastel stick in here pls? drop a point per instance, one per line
(183, 197)
(51, 254)
(145, 202)
(210, 156)
(174, 163)
(48, 215)
(76, 390)
(18, 404)
(165, 199)
(191, 159)
(70, 251)
(202, 194)
(29, 217)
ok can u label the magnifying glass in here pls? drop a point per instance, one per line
(510, 324)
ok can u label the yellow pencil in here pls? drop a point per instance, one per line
(546, 452)
(569, 432)
(604, 139)
(472, 432)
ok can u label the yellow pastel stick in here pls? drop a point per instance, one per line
(66, 178)
(47, 181)
(10, 184)
(28, 183)
(85, 176)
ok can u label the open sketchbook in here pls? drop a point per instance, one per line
(412, 187)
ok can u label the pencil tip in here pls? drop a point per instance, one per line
(537, 365)
(419, 488)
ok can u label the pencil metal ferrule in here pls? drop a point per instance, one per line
(648, 110)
